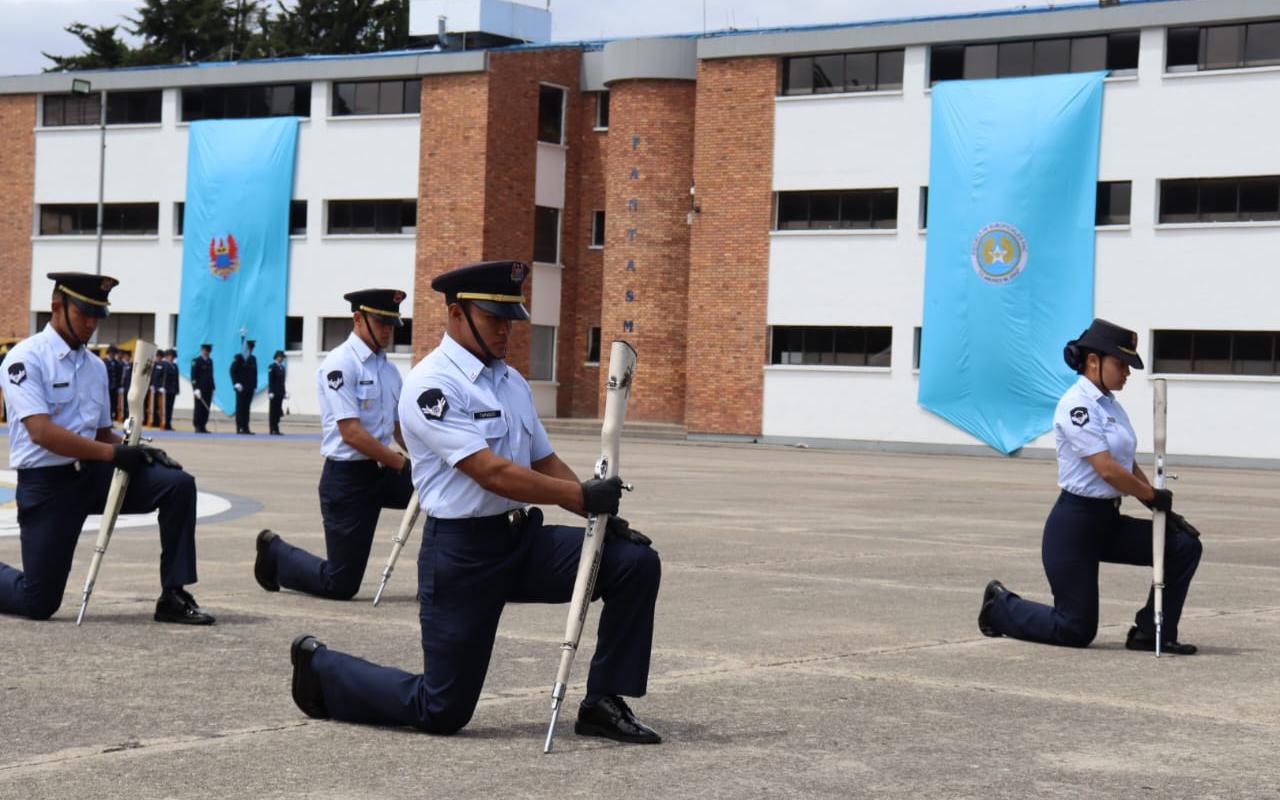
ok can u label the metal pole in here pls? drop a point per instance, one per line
(102, 172)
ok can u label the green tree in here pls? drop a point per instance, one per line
(181, 31)
(334, 26)
(103, 49)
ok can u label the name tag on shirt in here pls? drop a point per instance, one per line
(62, 385)
(487, 414)
(366, 383)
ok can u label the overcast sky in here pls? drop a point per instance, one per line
(28, 27)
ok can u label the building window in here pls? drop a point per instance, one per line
(546, 235)
(924, 208)
(293, 333)
(238, 102)
(403, 338)
(121, 327)
(118, 219)
(542, 353)
(832, 346)
(842, 72)
(593, 345)
(551, 114)
(859, 208)
(1113, 202)
(358, 98)
(1117, 52)
(379, 217)
(1217, 352)
(597, 229)
(297, 218)
(333, 332)
(1256, 44)
(123, 108)
(602, 110)
(1220, 199)
(917, 335)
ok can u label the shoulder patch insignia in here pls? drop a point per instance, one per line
(433, 404)
(17, 373)
(334, 379)
(1079, 416)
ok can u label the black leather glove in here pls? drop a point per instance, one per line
(619, 528)
(1176, 523)
(601, 495)
(1163, 501)
(132, 457)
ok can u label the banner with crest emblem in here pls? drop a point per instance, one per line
(1009, 270)
(235, 242)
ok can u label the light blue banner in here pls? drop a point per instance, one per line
(1013, 177)
(235, 243)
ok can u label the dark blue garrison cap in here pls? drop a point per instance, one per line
(493, 286)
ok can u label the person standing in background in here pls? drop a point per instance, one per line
(276, 373)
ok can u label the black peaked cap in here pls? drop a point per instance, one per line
(494, 286)
(1107, 337)
(383, 303)
(88, 292)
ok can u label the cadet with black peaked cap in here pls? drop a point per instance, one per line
(65, 452)
(358, 391)
(172, 386)
(1096, 467)
(244, 379)
(202, 387)
(275, 392)
(480, 456)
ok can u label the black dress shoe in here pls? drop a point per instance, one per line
(994, 589)
(264, 566)
(612, 719)
(177, 605)
(1137, 640)
(307, 693)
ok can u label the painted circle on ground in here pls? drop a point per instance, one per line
(207, 505)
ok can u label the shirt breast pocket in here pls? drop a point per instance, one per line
(494, 430)
(60, 394)
(368, 395)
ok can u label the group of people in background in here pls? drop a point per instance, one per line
(165, 386)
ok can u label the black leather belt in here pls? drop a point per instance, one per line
(512, 519)
(1101, 502)
(57, 469)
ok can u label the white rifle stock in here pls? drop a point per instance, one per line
(622, 364)
(144, 354)
(407, 522)
(1158, 517)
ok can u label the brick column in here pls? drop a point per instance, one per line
(646, 260)
(17, 178)
(580, 290)
(729, 253)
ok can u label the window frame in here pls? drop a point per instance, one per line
(840, 84)
(1237, 183)
(559, 234)
(564, 107)
(847, 203)
(816, 357)
(1160, 363)
(593, 344)
(382, 85)
(340, 216)
(86, 222)
(241, 97)
(602, 102)
(957, 54)
(598, 222)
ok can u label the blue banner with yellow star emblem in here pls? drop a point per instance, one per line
(235, 242)
(1013, 177)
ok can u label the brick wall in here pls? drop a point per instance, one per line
(452, 166)
(729, 254)
(580, 383)
(17, 180)
(646, 260)
(514, 78)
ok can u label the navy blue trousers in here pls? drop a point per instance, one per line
(1080, 533)
(53, 503)
(468, 570)
(352, 496)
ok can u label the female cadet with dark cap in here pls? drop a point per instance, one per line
(1096, 467)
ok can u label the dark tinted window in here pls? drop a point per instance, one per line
(593, 345)
(1223, 46)
(297, 217)
(81, 219)
(602, 109)
(371, 216)
(1117, 52)
(402, 340)
(826, 210)
(1247, 199)
(842, 72)
(1217, 352)
(133, 108)
(376, 97)
(831, 346)
(239, 102)
(1113, 202)
(293, 333)
(597, 229)
(546, 235)
(551, 114)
